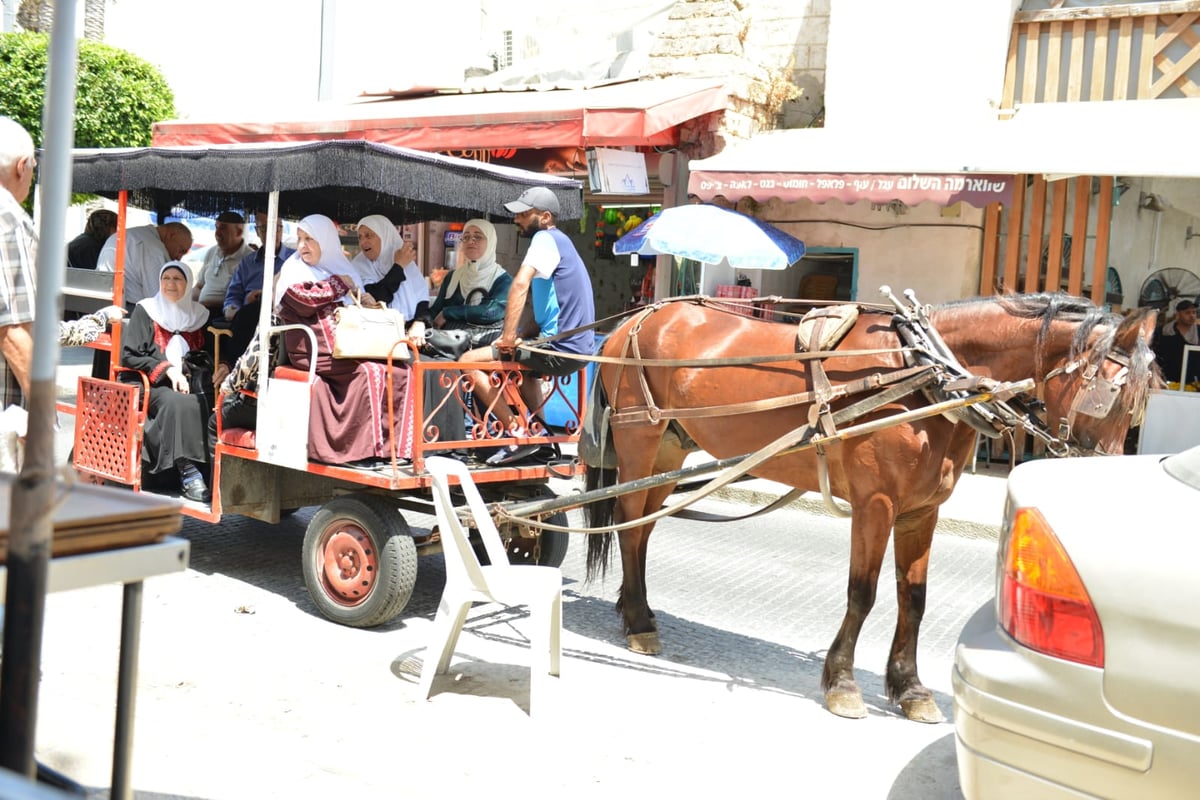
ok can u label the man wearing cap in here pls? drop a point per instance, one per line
(220, 262)
(553, 275)
(1174, 334)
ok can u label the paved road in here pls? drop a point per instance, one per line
(245, 692)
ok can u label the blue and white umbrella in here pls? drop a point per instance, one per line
(711, 234)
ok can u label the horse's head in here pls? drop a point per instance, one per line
(1097, 389)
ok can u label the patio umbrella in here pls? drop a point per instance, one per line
(711, 234)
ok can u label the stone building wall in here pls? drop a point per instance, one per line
(771, 51)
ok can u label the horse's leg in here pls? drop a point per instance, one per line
(870, 525)
(641, 632)
(913, 538)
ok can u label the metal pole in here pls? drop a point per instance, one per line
(325, 73)
(127, 670)
(31, 525)
(267, 301)
(551, 505)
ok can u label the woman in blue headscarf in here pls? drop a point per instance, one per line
(348, 423)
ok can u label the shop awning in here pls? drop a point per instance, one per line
(947, 163)
(645, 113)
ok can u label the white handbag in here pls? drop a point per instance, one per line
(368, 333)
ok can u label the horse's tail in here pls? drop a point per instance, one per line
(599, 514)
(600, 462)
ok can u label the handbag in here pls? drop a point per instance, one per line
(479, 335)
(447, 345)
(198, 368)
(368, 333)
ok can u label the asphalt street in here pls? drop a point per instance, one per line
(246, 692)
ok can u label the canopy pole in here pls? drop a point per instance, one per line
(31, 523)
(266, 306)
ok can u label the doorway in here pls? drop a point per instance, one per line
(823, 274)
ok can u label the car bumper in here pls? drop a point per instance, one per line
(1031, 726)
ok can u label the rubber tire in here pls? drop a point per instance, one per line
(393, 548)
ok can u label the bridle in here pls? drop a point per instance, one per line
(1095, 397)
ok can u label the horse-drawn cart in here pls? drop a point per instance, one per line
(359, 555)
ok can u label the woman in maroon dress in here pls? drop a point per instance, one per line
(348, 423)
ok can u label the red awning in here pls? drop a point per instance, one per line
(644, 113)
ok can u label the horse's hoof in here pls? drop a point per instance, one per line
(645, 643)
(922, 709)
(846, 703)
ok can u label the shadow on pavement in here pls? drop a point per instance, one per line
(937, 759)
(268, 557)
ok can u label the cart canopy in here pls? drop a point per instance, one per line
(342, 179)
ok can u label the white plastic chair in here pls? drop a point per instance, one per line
(467, 582)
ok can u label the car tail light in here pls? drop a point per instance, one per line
(1043, 603)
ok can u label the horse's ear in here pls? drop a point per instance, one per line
(1138, 326)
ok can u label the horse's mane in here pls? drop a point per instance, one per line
(1090, 320)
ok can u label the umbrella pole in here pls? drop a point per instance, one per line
(31, 526)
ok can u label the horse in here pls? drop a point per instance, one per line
(894, 478)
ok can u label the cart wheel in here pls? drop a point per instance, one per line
(533, 546)
(359, 559)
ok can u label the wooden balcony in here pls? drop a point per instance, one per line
(1121, 52)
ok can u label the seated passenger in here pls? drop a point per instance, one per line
(220, 262)
(554, 277)
(474, 295)
(348, 421)
(242, 305)
(389, 269)
(162, 330)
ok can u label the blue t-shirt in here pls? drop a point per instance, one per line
(562, 292)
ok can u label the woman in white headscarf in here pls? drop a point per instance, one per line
(348, 420)
(329, 261)
(389, 270)
(475, 294)
(162, 330)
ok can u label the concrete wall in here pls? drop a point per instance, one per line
(931, 250)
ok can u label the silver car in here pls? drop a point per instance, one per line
(1082, 676)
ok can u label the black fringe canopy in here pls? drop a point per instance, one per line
(343, 179)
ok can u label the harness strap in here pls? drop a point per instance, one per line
(795, 439)
(728, 361)
(792, 441)
(875, 380)
(705, 516)
(819, 413)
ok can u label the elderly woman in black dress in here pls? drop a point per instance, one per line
(162, 330)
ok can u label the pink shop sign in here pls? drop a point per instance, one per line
(946, 189)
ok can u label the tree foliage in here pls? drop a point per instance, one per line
(118, 96)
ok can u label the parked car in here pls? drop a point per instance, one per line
(1080, 678)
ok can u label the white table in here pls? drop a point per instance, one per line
(128, 566)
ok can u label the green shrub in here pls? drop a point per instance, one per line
(118, 96)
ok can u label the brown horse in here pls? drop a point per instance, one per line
(893, 479)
